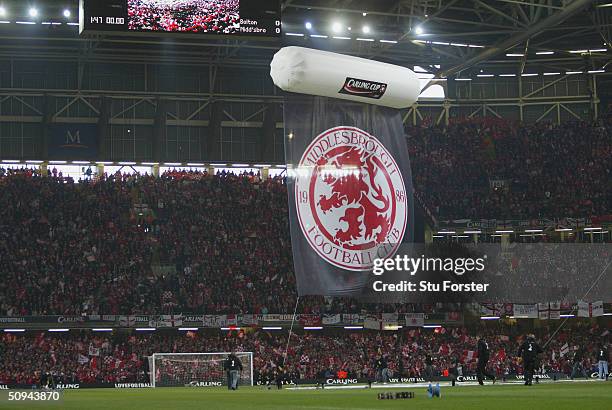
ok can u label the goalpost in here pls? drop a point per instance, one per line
(196, 369)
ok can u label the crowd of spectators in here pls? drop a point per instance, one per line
(192, 242)
(69, 248)
(88, 357)
(483, 168)
(196, 16)
(93, 247)
(228, 238)
(98, 247)
(553, 272)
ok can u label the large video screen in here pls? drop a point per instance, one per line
(260, 18)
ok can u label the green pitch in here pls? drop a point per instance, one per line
(556, 396)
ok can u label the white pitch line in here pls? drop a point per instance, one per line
(424, 385)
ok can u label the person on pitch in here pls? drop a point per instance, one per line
(483, 360)
(529, 351)
(428, 371)
(46, 380)
(233, 367)
(382, 370)
(602, 362)
(578, 367)
(455, 371)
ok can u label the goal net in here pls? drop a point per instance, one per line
(196, 369)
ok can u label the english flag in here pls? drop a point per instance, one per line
(415, 319)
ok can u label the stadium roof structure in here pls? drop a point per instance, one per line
(444, 36)
(462, 35)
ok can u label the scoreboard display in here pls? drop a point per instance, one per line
(254, 18)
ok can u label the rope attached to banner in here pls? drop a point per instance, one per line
(297, 301)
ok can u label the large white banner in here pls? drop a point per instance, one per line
(331, 319)
(543, 311)
(555, 311)
(127, 321)
(597, 308)
(526, 311)
(276, 318)
(250, 320)
(371, 322)
(594, 309)
(388, 320)
(219, 320)
(351, 318)
(170, 321)
(584, 309)
(491, 309)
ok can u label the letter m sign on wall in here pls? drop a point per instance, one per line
(73, 141)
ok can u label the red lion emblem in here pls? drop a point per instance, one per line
(350, 198)
(354, 188)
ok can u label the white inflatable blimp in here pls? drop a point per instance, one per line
(315, 72)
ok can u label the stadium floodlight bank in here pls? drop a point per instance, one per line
(196, 369)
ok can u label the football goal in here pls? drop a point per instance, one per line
(196, 369)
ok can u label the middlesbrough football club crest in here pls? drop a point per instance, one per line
(350, 198)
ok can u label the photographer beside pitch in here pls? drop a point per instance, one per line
(233, 367)
(529, 351)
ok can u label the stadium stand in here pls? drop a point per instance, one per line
(88, 357)
(551, 171)
(230, 232)
(148, 149)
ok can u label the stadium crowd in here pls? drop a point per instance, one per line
(196, 16)
(485, 168)
(93, 247)
(88, 357)
(69, 248)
